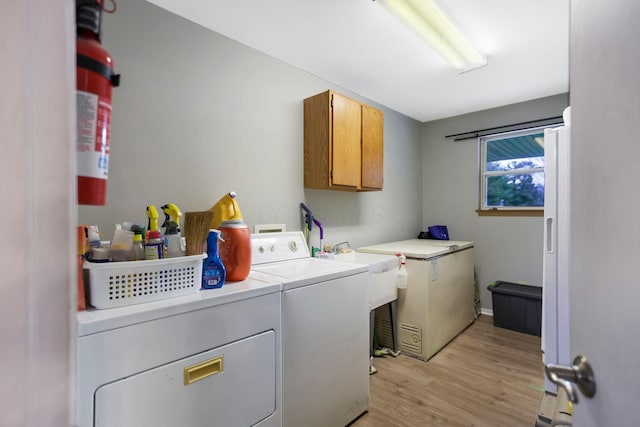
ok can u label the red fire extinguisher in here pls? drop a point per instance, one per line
(94, 81)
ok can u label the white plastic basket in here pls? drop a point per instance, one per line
(116, 284)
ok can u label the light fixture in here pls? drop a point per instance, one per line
(431, 23)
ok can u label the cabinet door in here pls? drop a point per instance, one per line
(232, 385)
(372, 148)
(346, 136)
(317, 141)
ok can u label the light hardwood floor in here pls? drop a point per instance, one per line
(486, 376)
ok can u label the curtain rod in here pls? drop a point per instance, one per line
(518, 126)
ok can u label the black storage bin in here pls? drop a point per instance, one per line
(517, 307)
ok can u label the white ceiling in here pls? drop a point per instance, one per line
(358, 45)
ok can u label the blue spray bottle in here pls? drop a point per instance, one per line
(213, 272)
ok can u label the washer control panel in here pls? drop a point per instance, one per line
(274, 247)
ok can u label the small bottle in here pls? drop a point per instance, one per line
(213, 271)
(94, 236)
(401, 278)
(138, 247)
(154, 246)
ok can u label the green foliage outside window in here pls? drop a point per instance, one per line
(513, 171)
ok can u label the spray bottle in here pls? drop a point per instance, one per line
(213, 272)
(401, 278)
(154, 245)
(172, 234)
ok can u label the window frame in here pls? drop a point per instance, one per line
(483, 209)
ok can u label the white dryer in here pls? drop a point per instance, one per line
(211, 358)
(325, 331)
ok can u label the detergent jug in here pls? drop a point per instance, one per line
(235, 249)
(225, 209)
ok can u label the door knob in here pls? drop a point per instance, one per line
(579, 374)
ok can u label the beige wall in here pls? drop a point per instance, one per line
(507, 248)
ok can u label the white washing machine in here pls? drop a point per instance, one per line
(211, 358)
(325, 331)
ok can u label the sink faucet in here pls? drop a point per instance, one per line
(336, 247)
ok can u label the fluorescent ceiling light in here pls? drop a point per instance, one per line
(430, 22)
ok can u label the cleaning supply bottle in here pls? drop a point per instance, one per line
(138, 243)
(172, 234)
(225, 209)
(139, 253)
(154, 244)
(213, 271)
(401, 278)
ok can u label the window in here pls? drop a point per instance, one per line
(512, 171)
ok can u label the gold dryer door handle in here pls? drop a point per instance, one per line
(203, 370)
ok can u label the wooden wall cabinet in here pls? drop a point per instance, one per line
(343, 144)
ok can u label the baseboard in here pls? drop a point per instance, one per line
(486, 311)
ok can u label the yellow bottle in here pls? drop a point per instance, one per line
(225, 209)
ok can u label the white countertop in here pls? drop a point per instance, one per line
(92, 320)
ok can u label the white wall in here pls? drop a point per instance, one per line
(37, 174)
(506, 248)
(198, 115)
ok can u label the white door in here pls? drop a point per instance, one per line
(605, 200)
(37, 172)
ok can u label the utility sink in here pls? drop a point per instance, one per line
(383, 270)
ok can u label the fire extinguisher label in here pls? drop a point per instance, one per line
(93, 130)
